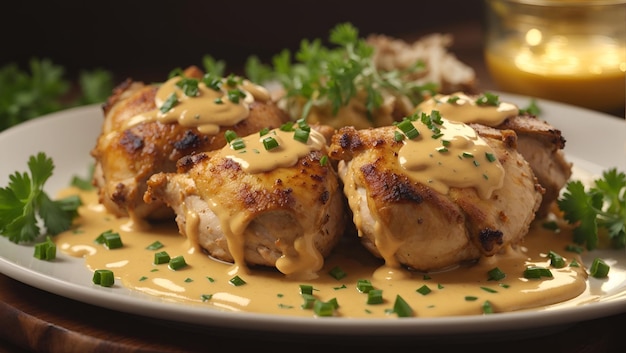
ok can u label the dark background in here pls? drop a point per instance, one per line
(144, 40)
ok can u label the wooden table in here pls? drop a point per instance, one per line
(33, 320)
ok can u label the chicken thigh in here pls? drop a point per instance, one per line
(437, 195)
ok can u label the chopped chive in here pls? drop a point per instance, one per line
(113, 241)
(407, 127)
(237, 281)
(599, 268)
(323, 161)
(364, 285)
(306, 289)
(301, 135)
(441, 149)
(155, 246)
(337, 273)
(238, 144)
(375, 296)
(210, 279)
(218, 100)
(487, 308)
(467, 155)
(178, 262)
(402, 308)
(169, 103)
(398, 136)
(46, 250)
(495, 274)
(490, 157)
(103, 278)
(189, 86)
(270, 143)
(556, 260)
(188, 280)
(423, 290)
(489, 290)
(230, 135)
(206, 297)
(476, 163)
(574, 263)
(321, 308)
(309, 300)
(534, 272)
(234, 95)
(470, 298)
(161, 257)
(264, 131)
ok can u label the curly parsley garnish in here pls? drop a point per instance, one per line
(24, 202)
(334, 76)
(602, 206)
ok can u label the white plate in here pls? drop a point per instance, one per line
(594, 143)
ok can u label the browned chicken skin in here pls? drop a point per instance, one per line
(126, 156)
(419, 227)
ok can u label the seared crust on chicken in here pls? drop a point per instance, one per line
(409, 223)
(290, 218)
(127, 155)
(542, 145)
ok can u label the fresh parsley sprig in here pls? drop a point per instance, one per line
(24, 202)
(333, 76)
(44, 89)
(601, 206)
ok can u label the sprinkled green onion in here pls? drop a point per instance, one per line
(237, 281)
(375, 296)
(301, 135)
(441, 149)
(534, 272)
(337, 273)
(470, 298)
(488, 99)
(212, 82)
(264, 131)
(599, 268)
(234, 95)
(487, 308)
(206, 297)
(103, 278)
(467, 155)
(169, 103)
(230, 135)
(189, 86)
(490, 157)
(364, 285)
(324, 161)
(321, 308)
(46, 250)
(556, 260)
(309, 300)
(402, 308)
(495, 274)
(178, 262)
(407, 127)
(238, 144)
(306, 289)
(161, 257)
(155, 246)
(423, 290)
(270, 143)
(112, 240)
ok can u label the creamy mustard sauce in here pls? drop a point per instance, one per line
(209, 109)
(463, 108)
(458, 158)
(206, 282)
(254, 157)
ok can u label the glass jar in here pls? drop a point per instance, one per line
(572, 51)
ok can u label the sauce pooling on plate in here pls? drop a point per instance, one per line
(206, 282)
